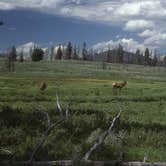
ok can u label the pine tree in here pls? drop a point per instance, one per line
(13, 54)
(52, 53)
(11, 58)
(68, 51)
(78, 52)
(21, 57)
(84, 52)
(37, 54)
(138, 57)
(59, 53)
(109, 58)
(164, 60)
(91, 53)
(75, 55)
(147, 57)
(120, 54)
(155, 60)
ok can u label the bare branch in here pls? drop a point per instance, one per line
(10, 153)
(59, 106)
(6, 151)
(45, 113)
(103, 136)
(51, 126)
(43, 139)
(67, 109)
(48, 118)
(12, 157)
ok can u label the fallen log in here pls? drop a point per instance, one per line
(85, 163)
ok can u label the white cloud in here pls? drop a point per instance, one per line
(129, 9)
(147, 33)
(147, 16)
(134, 25)
(142, 8)
(6, 6)
(128, 44)
(38, 4)
(157, 40)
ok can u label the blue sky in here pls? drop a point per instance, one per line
(102, 24)
(22, 26)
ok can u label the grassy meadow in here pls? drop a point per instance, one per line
(140, 130)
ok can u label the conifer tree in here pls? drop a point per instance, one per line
(52, 53)
(68, 51)
(164, 60)
(147, 57)
(75, 55)
(59, 53)
(37, 54)
(84, 52)
(109, 58)
(120, 54)
(13, 53)
(155, 60)
(21, 57)
(137, 57)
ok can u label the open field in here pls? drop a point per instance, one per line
(142, 124)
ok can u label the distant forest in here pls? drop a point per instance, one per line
(116, 55)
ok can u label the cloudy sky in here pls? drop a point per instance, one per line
(101, 23)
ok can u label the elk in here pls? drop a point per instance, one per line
(118, 85)
(43, 87)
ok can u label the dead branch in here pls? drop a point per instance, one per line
(88, 163)
(51, 126)
(59, 106)
(67, 108)
(48, 117)
(102, 137)
(10, 153)
(12, 157)
(44, 113)
(6, 151)
(43, 139)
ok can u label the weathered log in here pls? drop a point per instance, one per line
(85, 163)
(102, 137)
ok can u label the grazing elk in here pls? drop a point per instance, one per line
(118, 85)
(43, 87)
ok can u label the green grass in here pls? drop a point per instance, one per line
(88, 86)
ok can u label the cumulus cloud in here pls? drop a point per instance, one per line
(147, 33)
(157, 40)
(6, 6)
(36, 4)
(129, 9)
(128, 44)
(134, 25)
(144, 17)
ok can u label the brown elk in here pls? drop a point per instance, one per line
(118, 85)
(43, 87)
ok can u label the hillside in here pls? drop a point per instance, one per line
(141, 126)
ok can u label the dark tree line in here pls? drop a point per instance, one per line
(117, 55)
(37, 54)
(71, 52)
(11, 58)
